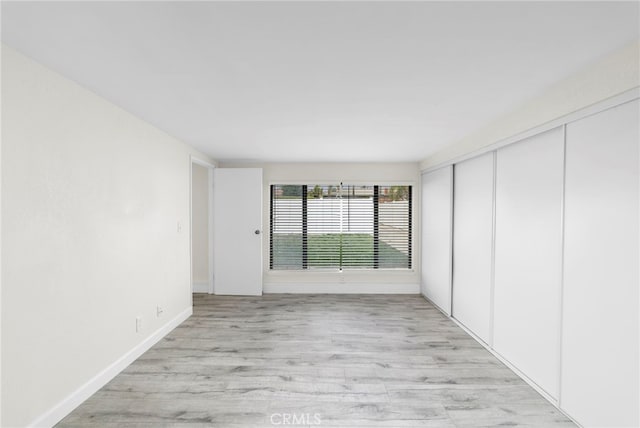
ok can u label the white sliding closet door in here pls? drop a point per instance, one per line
(436, 237)
(528, 256)
(472, 244)
(600, 318)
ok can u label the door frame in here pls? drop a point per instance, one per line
(195, 160)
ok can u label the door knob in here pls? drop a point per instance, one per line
(257, 232)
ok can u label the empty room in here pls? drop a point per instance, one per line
(320, 213)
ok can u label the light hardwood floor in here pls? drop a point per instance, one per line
(341, 360)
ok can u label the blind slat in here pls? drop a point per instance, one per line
(340, 227)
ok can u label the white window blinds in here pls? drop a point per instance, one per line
(320, 226)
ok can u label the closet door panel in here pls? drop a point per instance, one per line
(436, 237)
(600, 302)
(528, 256)
(472, 244)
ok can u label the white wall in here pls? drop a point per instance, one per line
(91, 199)
(200, 227)
(436, 237)
(348, 173)
(612, 75)
(0, 248)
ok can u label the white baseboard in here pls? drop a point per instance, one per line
(66, 406)
(506, 362)
(335, 288)
(200, 287)
(444, 312)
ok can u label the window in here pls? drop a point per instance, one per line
(323, 226)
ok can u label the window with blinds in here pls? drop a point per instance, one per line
(320, 226)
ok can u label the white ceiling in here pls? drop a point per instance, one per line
(318, 81)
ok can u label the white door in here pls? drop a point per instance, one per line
(600, 347)
(472, 244)
(436, 236)
(528, 259)
(237, 227)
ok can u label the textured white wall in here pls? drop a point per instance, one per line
(200, 226)
(91, 199)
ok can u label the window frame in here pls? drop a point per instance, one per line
(412, 186)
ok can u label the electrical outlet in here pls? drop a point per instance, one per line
(179, 227)
(138, 324)
(159, 311)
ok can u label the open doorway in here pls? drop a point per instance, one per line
(201, 226)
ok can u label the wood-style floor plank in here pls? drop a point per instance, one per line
(352, 360)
